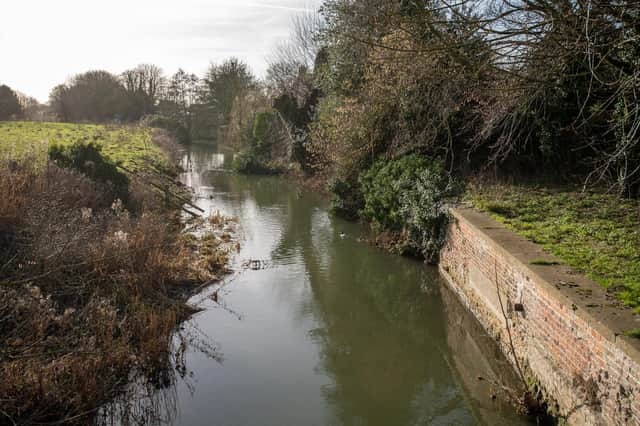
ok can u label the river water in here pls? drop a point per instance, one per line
(328, 330)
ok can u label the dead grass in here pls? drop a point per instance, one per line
(90, 293)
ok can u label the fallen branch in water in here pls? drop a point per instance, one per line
(165, 190)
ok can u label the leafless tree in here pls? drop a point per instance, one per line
(295, 57)
(143, 85)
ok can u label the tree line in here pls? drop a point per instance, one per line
(525, 88)
(191, 106)
(15, 105)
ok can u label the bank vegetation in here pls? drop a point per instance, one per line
(398, 106)
(96, 269)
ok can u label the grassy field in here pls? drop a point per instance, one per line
(593, 232)
(129, 146)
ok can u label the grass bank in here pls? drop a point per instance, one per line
(91, 288)
(130, 146)
(592, 231)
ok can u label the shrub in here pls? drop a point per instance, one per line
(262, 131)
(263, 152)
(178, 129)
(249, 162)
(88, 160)
(90, 297)
(383, 186)
(408, 196)
(243, 161)
(346, 197)
(425, 211)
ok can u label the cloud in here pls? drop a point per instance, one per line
(279, 6)
(44, 42)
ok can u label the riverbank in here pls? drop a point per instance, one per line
(594, 232)
(591, 230)
(96, 272)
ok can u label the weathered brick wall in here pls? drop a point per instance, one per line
(565, 329)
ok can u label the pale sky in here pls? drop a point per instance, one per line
(43, 42)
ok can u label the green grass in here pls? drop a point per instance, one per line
(129, 146)
(544, 262)
(594, 232)
(635, 333)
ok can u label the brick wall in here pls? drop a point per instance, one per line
(566, 330)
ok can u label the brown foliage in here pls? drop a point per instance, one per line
(527, 88)
(89, 296)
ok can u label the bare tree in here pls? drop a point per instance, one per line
(292, 59)
(31, 108)
(183, 88)
(577, 59)
(143, 85)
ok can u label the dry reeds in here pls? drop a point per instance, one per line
(90, 293)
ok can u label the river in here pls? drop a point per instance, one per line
(326, 330)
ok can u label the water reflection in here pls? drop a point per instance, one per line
(331, 332)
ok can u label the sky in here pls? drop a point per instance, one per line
(44, 42)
